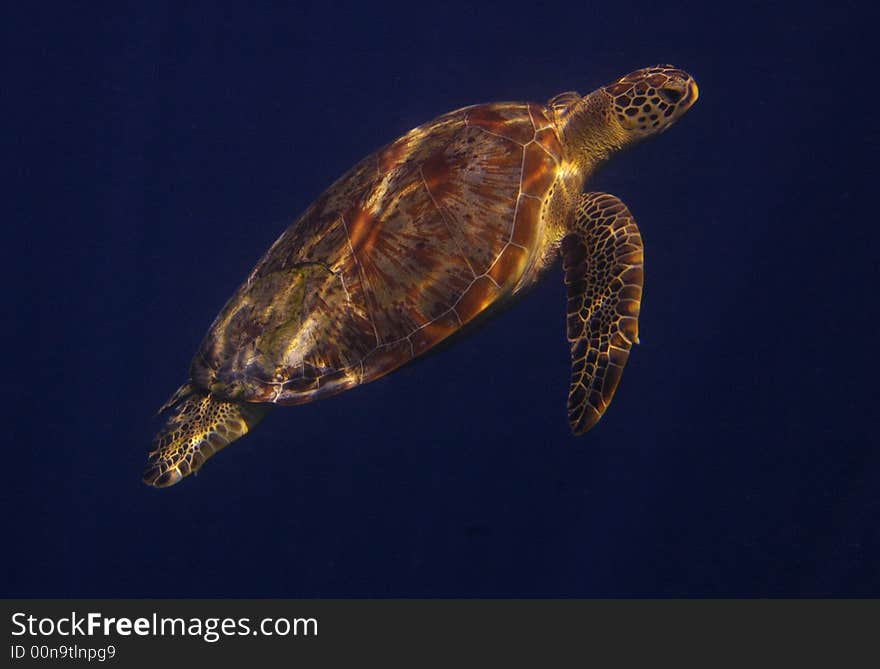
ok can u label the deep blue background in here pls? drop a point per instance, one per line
(154, 153)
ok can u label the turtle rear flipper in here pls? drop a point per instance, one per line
(201, 424)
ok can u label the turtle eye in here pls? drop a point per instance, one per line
(671, 95)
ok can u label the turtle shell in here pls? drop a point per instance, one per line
(399, 253)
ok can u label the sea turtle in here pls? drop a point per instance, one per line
(419, 239)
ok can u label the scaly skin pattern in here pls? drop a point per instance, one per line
(415, 242)
(602, 261)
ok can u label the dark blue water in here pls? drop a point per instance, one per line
(153, 155)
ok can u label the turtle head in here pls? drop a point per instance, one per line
(648, 101)
(641, 104)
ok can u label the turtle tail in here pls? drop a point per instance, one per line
(201, 424)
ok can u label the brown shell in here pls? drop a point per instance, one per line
(399, 253)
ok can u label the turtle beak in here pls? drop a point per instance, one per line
(691, 96)
(686, 93)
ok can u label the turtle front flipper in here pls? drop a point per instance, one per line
(201, 425)
(603, 261)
